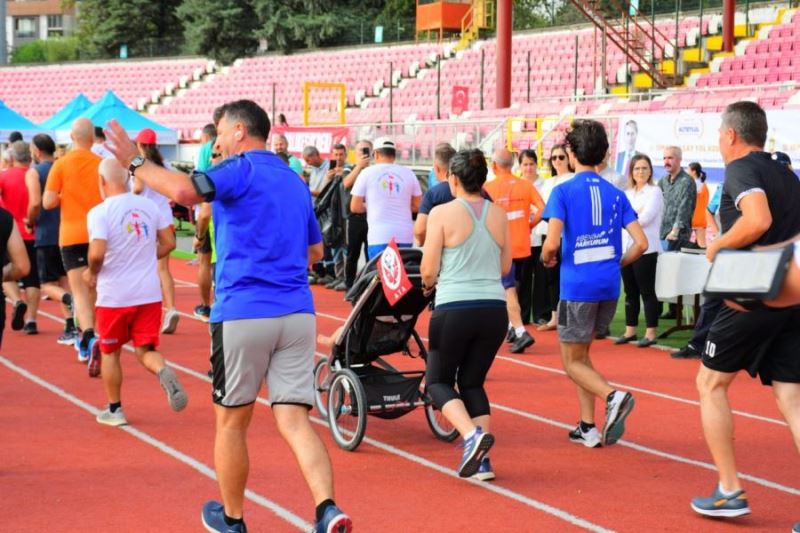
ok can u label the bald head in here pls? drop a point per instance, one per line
(112, 172)
(503, 158)
(83, 132)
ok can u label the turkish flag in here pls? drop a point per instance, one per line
(460, 101)
(393, 274)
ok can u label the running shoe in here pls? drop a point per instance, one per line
(170, 322)
(117, 418)
(95, 359)
(203, 312)
(722, 506)
(485, 472)
(590, 439)
(796, 528)
(176, 396)
(67, 338)
(522, 342)
(511, 335)
(475, 448)
(18, 315)
(84, 352)
(617, 410)
(334, 521)
(213, 517)
(30, 328)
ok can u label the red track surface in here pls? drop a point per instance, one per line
(61, 471)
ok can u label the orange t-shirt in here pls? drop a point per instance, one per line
(515, 196)
(74, 177)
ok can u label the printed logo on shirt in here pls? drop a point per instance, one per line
(390, 184)
(136, 225)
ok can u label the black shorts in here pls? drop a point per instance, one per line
(205, 245)
(32, 279)
(51, 268)
(765, 343)
(75, 256)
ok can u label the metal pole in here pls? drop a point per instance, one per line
(677, 29)
(273, 101)
(627, 58)
(527, 75)
(700, 40)
(728, 16)
(362, 32)
(747, 18)
(575, 72)
(603, 71)
(653, 31)
(503, 59)
(483, 73)
(3, 41)
(438, 87)
(391, 83)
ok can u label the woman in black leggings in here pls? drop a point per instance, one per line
(467, 250)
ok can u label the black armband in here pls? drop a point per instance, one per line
(203, 186)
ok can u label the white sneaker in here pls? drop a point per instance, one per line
(617, 410)
(114, 419)
(176, 395)
(590, 439)
(170, 322)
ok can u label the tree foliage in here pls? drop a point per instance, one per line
(221, 29)
(46, 51)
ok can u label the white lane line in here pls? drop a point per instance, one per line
(204, 469)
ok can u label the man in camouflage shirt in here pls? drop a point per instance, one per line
(680, 196)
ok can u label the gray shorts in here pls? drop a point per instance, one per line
(246, 352)
(578, 321)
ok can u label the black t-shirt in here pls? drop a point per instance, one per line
(6, 226)
(758, 172)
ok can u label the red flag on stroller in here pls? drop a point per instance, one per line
(393, 275)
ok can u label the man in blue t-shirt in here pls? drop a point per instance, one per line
(262, 321)
(590, 214)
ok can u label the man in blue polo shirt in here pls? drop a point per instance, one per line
(591, 214)
(262, 322)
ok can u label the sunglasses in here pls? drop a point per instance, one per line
(558, 157)
(214, 156)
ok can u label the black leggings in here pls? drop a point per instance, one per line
(639, 279)
(463, 343)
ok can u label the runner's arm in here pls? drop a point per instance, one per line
(432, 251)
(18, 264)
(34, 195)
(166, 242)
(639, 245)
(754, 222)
(315, 253)
(552, 243)
(357, 205)
(420, 228)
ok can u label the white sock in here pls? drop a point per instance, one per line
(519, 331)
(726, 493)
(470, 434)
(510, 325)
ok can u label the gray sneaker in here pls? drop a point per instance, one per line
(117, 418)
(170, 322)
(617, 410)
(176, 396)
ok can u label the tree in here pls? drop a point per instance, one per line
(221, 29)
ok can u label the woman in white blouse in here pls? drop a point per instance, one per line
(639, 278)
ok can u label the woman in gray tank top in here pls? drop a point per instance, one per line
(467, 251)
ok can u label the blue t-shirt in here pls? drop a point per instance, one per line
(594, 214)
(49, 220)
(432, 181)
(264, 223)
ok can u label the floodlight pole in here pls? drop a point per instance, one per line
(3, 41)
(728, 22)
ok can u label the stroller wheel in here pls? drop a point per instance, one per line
(322, 374)
(440, 426)
(347, 409)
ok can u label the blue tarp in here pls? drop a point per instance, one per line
(111, 107)
(10, 121)
(61, 122)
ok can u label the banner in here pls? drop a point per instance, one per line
(320, 137)
(460, 100)
(697, 134)
(393, 274)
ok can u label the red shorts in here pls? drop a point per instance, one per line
(140, 324)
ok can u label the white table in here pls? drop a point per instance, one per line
(681, 276)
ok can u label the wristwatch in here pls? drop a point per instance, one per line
(136, 162)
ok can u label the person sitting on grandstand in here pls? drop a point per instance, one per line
(263, 324)
(127, 233)
(516, 197)
(14, 195)
(438, 194)
(590, 213)
(317, 170)
(12, 247)
(758, 208)
(356, 222)
(201, 244)
(146, 142)
(467, 251)
(389, 193)
(73, 185)
(52, 275)
(281, 146)
(99, 146)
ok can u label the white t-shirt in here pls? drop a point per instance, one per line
(101, 150)
(316, 176)
(387, 190)
(161, 201)
(128, 223)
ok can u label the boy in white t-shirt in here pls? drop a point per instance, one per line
(127, 234)
(389, 194)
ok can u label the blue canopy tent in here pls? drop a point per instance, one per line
(10, 121)
(61, 123)
(111, 107)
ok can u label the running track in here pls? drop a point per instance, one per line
(61, 471)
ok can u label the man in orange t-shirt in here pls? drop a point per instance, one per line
(515, 196)
(73, 184)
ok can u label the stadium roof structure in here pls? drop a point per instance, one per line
(111, 107)
(10, 121)
(61, 122)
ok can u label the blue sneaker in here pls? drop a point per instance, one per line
(213, 517)
(485, 472)
(84, 353)
(334, 521)
(722, 506)
(796, 528)
(475, 448)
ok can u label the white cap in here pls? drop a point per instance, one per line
(384, 142)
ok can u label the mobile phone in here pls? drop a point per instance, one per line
(365, 151)
(333, 164)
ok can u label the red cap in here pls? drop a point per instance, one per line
(146, 136)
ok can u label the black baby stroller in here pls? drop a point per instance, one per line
(356, 380)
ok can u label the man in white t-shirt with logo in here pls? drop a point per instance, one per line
(127, 234)
(389, 194)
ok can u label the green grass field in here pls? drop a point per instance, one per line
(676, 340)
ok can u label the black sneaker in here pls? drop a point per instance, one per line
(18, 315)
(522, 342)
(511, 336)
(202, 312)
(30, 328)
(688, 352)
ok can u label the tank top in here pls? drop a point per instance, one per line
(49, 219)
(471, 271)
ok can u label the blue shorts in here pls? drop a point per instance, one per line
(375, 249)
